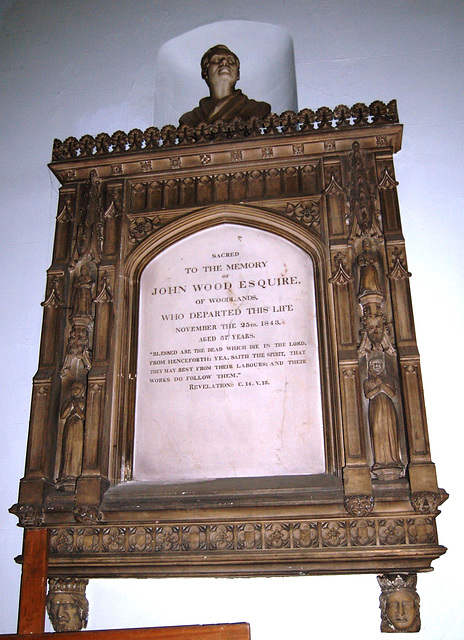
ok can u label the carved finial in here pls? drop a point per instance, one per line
(66, 213)
(54, 298)
(387, 182)
(334, 188)
(398, 270)
(365, 219)
(104, 295)
(340, 275)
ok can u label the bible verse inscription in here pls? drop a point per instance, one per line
(228, 371)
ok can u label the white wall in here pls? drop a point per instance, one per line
(69, 68)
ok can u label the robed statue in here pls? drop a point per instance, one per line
(220, 68)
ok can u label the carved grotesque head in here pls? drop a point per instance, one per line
(220, 64)
(375, 327)
(399, 605)
(67, 606)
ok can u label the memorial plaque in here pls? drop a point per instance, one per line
(228, 382)
(228, 376)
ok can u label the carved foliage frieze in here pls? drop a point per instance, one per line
(233, 536)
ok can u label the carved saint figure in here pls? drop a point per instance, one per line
(220, 68)
(73, 412)
(67, 606)
(379, 390)
(82, 295)
(368, 275)
(399, 605)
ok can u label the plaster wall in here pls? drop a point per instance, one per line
(70, 68)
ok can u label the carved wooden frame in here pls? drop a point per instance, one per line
(324, 181)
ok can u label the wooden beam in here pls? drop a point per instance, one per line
(31, 617)
(239, 631)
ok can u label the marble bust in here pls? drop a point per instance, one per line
(220, 68)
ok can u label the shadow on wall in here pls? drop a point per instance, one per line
(268, 75)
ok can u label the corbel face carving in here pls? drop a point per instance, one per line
(67, 606)
(399, 604)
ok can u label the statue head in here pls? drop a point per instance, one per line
(220, 65)
(77, 389)
(67, 606)
(399, 604)
(376, 366)
(366, 244)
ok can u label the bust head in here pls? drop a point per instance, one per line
(401, 609)
(220, 65)
(67, 606)
(399, 605)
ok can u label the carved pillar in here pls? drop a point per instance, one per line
(42, 433)
(399, 603)
(94, 478)
(356, 474)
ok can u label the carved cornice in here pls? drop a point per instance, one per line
(288, 123)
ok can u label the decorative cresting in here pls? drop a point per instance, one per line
(67, 606)
(288, 123)
(399, 604)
